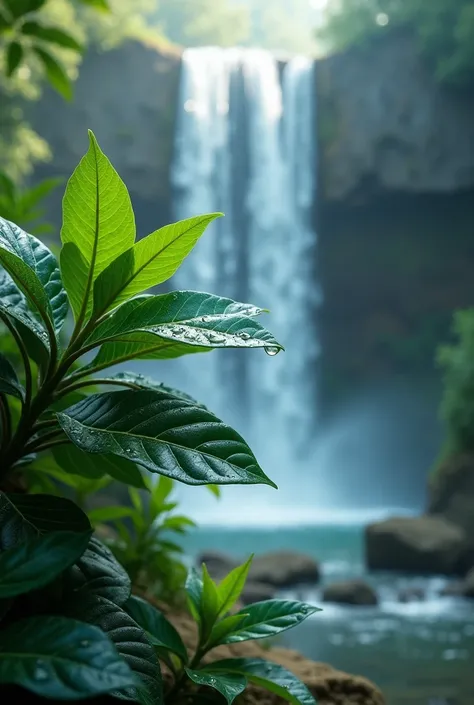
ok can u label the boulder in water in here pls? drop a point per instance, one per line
(425, 544)
(411, 594)
(284, 569)
(350, 592)
(217, 563)
(256, 592)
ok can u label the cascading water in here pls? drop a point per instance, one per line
(245, 145)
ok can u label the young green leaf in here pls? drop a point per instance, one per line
(55, 73)
(230, 588)
(98, 516)
(15, 55)
(23, 516)
(37, 561)
(9, 382)
(61, 659)
(75, 461)
(230, 685)
(53, 35)
(209, 606)
(268, 675)
(98, 219)
(188, 317)
(178, 524)
(127, 637)
(164, 434)
(214, 489)
(266, 619)
(98, 573)
(223, 627)
(35, 271)
(154, 260)
(159, 630)
(194, 589)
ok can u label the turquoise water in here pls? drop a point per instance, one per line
(420, 653)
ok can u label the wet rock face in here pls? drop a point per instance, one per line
(452, 492)
(351, 592)
(416, 545)
(386, 124)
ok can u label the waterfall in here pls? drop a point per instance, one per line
(245, 145)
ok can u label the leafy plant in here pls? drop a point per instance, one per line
(210, 605)
(24, 33)
(53, 571)
(24, 206)
(143, 538)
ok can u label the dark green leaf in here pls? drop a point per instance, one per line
(230, 685)
(153, 260)
(190, 318)
(55, 73)
(23, 516)
(160, 632)
(72, 459)
(268, 675)
(37, 561)
(14, 304)
(266, 619)
(35, 270)
(164, 434)
(129, 639)
(142, 382)
(98, 220)
(14, 57)
(18, 8)
(53, 35)
(98, 573)
(230, 588)
(59, 658)
(9, 382)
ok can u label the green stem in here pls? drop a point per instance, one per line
(63, 391)
(25, 359)
(53, 444)
(39, 442)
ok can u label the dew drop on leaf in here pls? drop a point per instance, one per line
(40, 672)
(244, 336)
(271, 350)
(85, 643)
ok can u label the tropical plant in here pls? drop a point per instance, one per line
(211, 606)
(64, 634)
(23, 206)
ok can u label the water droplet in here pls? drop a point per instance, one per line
(40, 672)
(244, 336)
(272, 350)
(304, 609)
(216, 338)
(212, 681)
(85, 643)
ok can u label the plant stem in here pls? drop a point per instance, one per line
(39, 442)
(63, 391)
(25, 359)
(6, 420)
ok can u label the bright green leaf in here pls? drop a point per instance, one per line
(215, 490)
(230, 588)
(15, 55)
(98, 219)
(74, 460)
(23, 516)
(209, 606)
(55, 73)
(97, 4)
(268, 675)
(230, 685)
(9, 382)
(266, 619)
(35, 271)
(159, 630)
(153, 260)
(223, 627)
(37, 561)
(164, 434)
(53, 35)
(63, 659)
(99, 516)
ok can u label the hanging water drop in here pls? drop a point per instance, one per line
(40, 672)
(271, 350)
